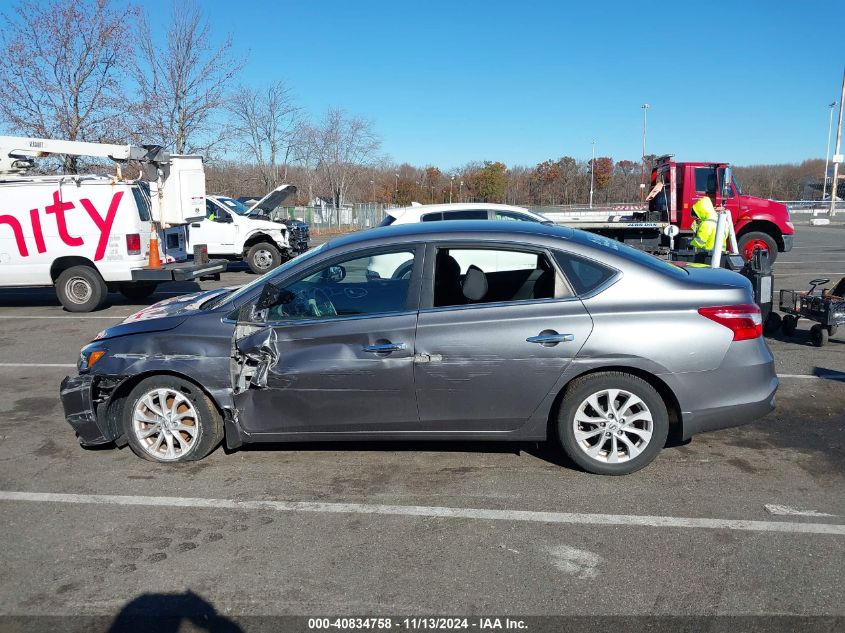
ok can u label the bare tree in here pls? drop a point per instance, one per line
(267, 125)
(183, 84)
(61, 77)
(344, 148)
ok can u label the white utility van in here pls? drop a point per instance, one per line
(86, 235)
(229, 231)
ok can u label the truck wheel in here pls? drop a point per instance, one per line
(818, 335)
(81, 289)
(138, 290)
(788, 325)
(612, 423)
(757, 239)
(263, 257)
(168, 419)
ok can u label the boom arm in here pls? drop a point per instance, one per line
(14, 151)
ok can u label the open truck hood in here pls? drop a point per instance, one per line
(273, 199)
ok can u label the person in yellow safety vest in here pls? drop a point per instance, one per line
(704, 225)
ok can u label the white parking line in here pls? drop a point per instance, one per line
(21, 365)
(70, 316)
(824, 261)
(790, 527)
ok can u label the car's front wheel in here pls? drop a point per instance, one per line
(168, 419)
(612, 423)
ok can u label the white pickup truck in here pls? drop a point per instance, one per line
(230, 232)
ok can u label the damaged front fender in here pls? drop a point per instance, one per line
(253, 354)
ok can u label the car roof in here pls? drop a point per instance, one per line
(450, 230)
(419, 210)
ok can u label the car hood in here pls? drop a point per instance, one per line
(164, 315)
(273, 199)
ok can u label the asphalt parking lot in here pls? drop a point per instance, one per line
(744, 521)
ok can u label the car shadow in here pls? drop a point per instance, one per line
(168, 612)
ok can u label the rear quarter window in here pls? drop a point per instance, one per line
(584, 275)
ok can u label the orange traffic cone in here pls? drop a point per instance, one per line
(155, 259)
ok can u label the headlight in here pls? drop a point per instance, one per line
(87, 359)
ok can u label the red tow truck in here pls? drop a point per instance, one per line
(759, 223)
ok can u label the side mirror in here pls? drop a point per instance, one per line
(335, 274)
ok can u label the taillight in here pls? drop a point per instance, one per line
(745, 320)
(133, 244)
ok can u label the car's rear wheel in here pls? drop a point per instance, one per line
(168, 419)
(81, 289)
(612, 423)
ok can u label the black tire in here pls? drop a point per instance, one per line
(759, 236)
(788, 325)
(204, 418)
(818, 335)
(81, 289)
(773, 323)
(138, 290)
(263, 257)
(577, 393)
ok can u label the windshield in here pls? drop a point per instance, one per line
(235, 205)
(257, 283)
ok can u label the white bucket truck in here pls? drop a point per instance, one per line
(88, 235)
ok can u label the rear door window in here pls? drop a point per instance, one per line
(432, 217)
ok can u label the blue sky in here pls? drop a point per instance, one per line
(451, 82)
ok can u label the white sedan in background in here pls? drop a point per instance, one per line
(391, 267)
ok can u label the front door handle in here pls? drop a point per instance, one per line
(550, 338)
(384, 348)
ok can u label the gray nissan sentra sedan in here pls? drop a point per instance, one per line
(440, 331)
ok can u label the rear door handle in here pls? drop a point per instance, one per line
(384, 348)
(196, 225)
(549, 338)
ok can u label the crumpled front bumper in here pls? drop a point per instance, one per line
(83, 411)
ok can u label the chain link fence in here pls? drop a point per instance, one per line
(328, 220)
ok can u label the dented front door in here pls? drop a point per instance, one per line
(344, 375)
(337, 352)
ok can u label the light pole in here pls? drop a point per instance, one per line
(827, 152)
(373, 185)
(592, 170)
(451, 182)
(461, 192)
(837, 157)
(642, 167)
(396, 190)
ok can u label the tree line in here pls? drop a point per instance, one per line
(91, 70)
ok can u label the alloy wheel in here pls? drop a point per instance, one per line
(165, 424)
(613, 426)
